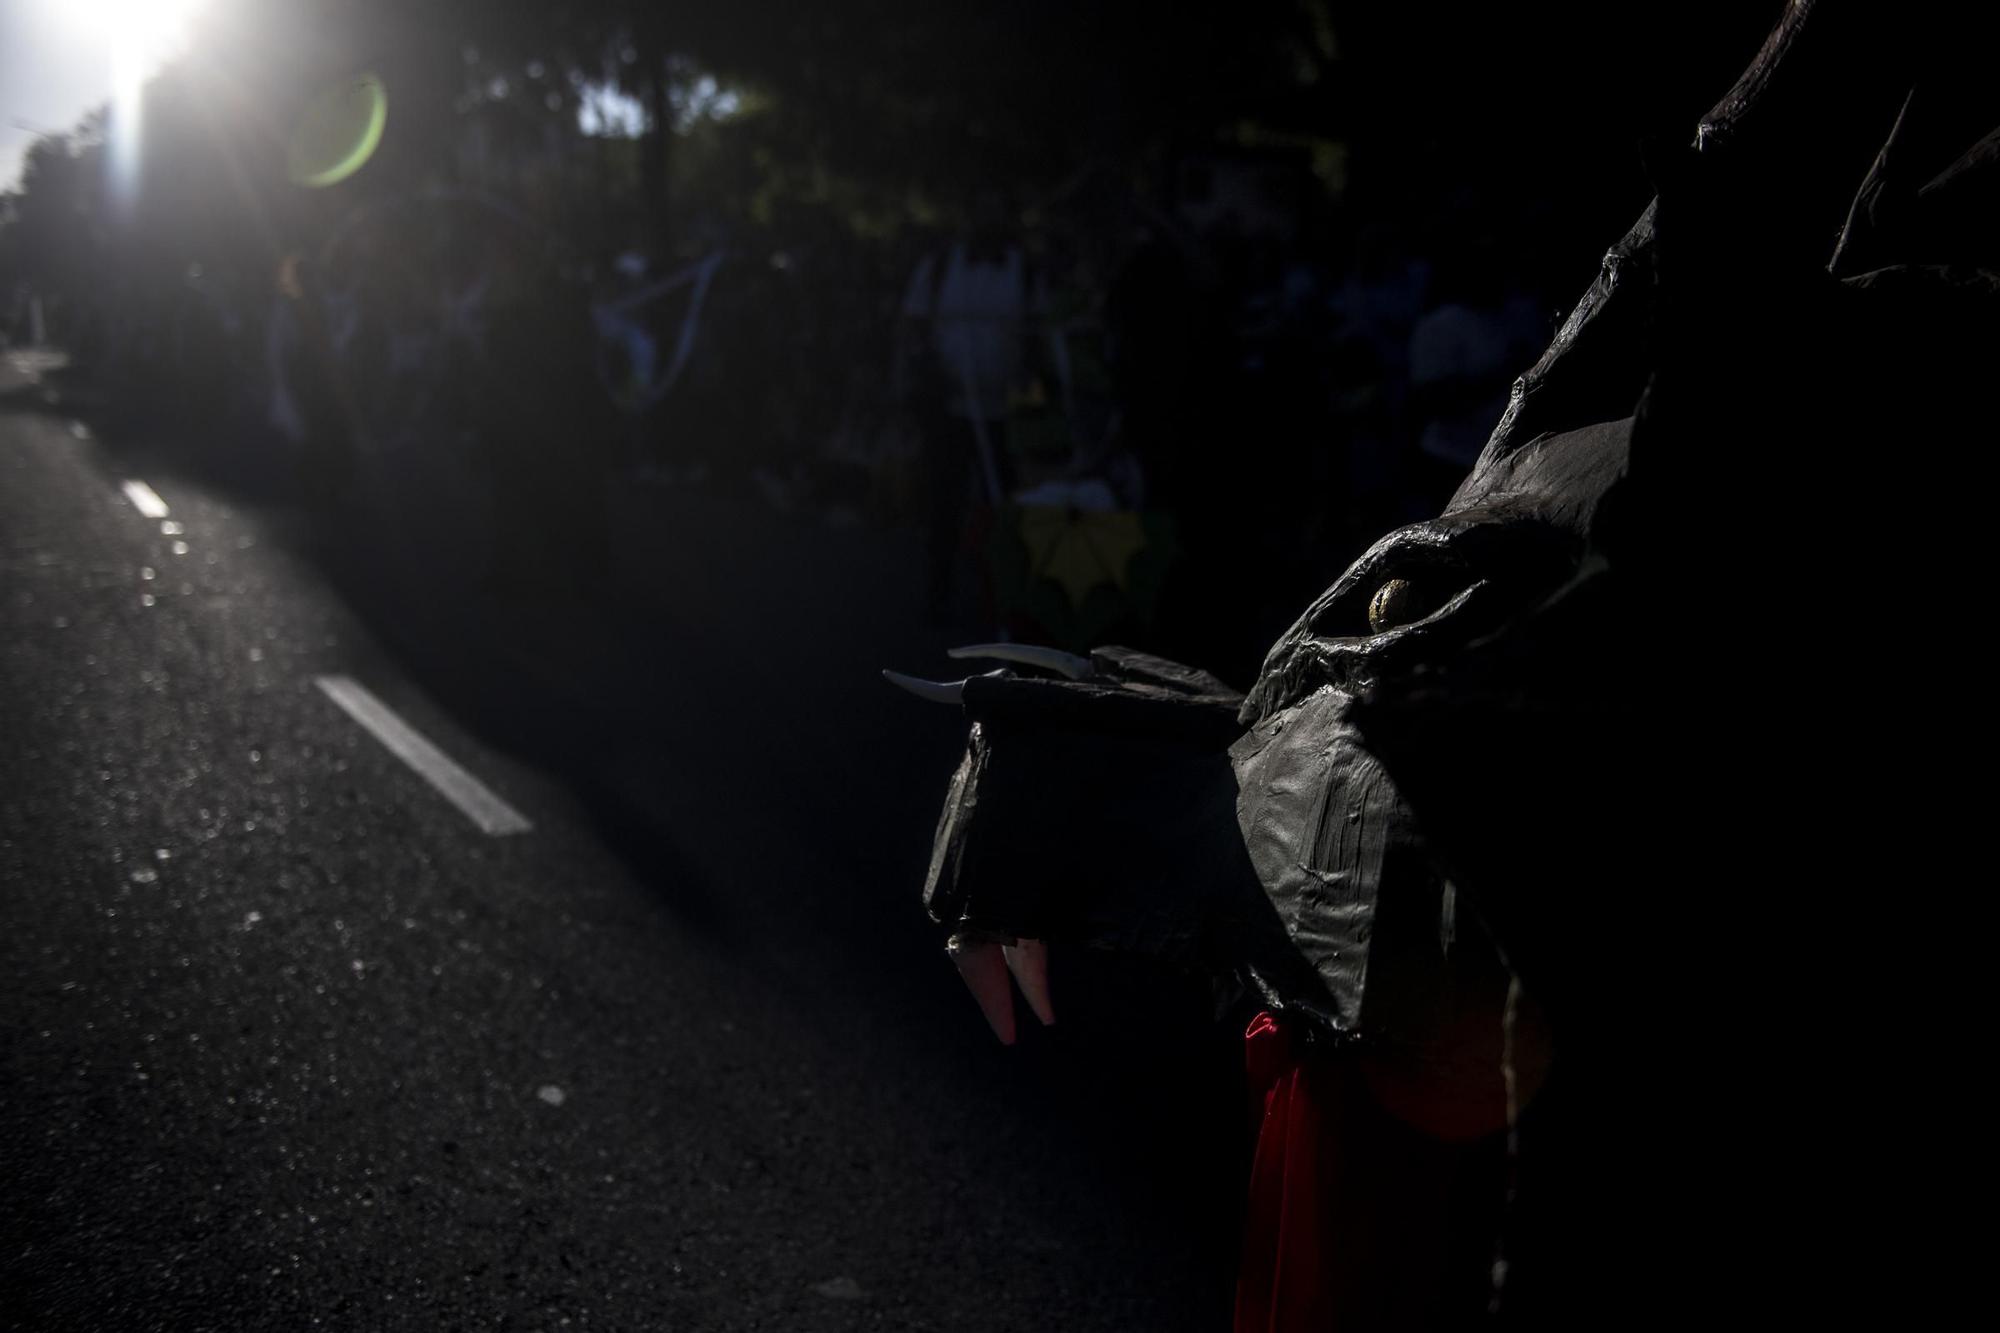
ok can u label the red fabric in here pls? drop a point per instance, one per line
(1283, 1284)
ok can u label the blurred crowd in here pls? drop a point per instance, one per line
(1138, 321)
(1167, 418)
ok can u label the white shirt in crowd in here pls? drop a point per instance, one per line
(981, 310)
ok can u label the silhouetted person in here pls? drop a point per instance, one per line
(314, 399)
(546, 441)
(966, 318)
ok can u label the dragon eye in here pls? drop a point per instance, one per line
(1394, 603)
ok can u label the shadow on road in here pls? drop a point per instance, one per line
(713, 706)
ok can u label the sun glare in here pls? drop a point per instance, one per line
(158, 27)
(139, 36)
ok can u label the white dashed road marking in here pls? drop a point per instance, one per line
(145, 499)
(474, 798)
(468, 793)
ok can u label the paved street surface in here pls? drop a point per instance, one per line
(604, 1002)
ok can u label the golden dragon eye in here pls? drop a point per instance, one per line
(1394, 603)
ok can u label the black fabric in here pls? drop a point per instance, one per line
(1703, 623)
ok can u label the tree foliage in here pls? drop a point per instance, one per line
(870, 116)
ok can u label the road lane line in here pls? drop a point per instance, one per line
(145, 499)
(473, 797)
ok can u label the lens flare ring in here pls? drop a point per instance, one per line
(338, 132)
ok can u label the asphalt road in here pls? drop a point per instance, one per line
(291, 1041)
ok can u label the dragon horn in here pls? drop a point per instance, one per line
(1804, 121)
(936, 691)
(1049, 659)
